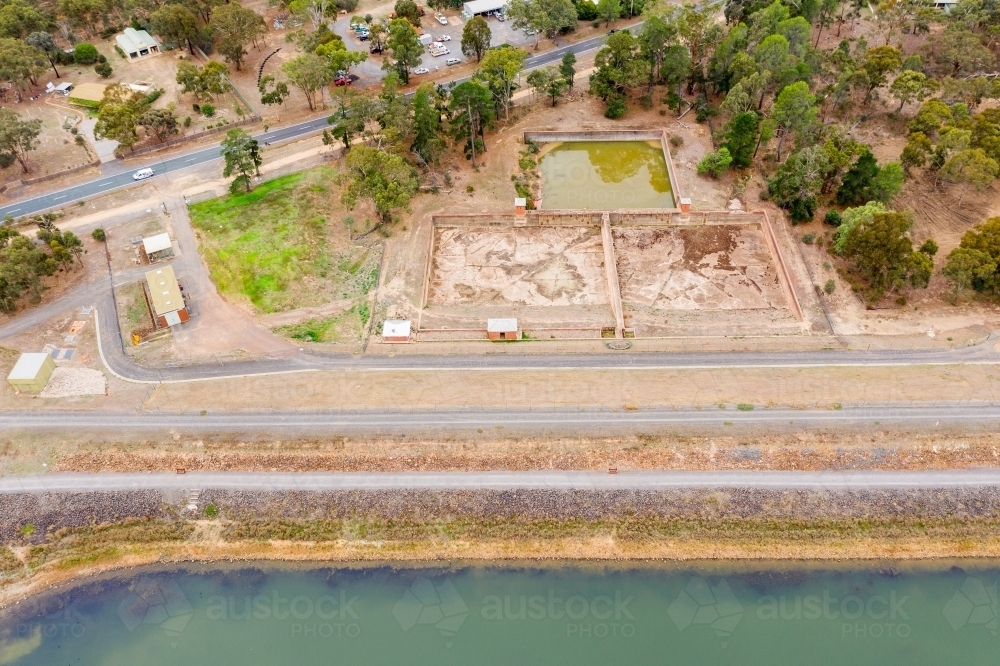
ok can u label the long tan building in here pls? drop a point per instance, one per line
(168, 303)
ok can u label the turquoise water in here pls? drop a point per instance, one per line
(468, 616)
(605, 175)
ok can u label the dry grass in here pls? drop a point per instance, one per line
(80, 552)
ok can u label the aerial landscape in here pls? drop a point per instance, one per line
(499, 332)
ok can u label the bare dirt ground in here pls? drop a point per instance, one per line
(57, 149)
(812, 449)
(536, 266)
(821, 387)
(713, 267)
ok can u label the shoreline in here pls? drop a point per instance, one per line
(928, 552)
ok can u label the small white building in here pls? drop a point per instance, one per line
(478, 7)
(502, 329)
(158, 246)
(137, 43)
(396, 330)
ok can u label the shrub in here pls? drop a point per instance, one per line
(809, 239)
(153, 95)
(470, 189)
(586, 11)
(616, 108)
(715, 164)
(930, 247)
(103, 69)
(833, 218)
(187, 121)
(676, 140)
(120, 52)
(101, 58)
(196, 107)
(80, 140)
(6, 159)
(98, 234)
(85, 54)
(208, 110)
(830, 287)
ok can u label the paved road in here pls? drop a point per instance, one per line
(981, 413)
(547, 480)
(108, 183)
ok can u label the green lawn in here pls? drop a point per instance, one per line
(284, 245)
(348, 326)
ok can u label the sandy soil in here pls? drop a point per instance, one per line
(687, 268)
(526, 266)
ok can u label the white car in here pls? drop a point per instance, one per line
(452, 61)
(441, 19)
(443, 38)
(421, 70)
(142, 174)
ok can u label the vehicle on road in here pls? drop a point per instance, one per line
(142, 174)
(452, 61)
(421, 70)
(443, 38)
(441, 19)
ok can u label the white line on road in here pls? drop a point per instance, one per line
(526, 480)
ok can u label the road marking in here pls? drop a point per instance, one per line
(13, 210)
(191, 160)
(59, 197)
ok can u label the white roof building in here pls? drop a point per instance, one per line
(137, 43)
(396, 330)
(476, 7)
(501, 325)
(157, 243)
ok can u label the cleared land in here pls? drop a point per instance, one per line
(707, 267)
(526, 266)
(284, 245)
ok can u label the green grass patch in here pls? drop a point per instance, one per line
(744, 407)
(276, 246)
(348, 326)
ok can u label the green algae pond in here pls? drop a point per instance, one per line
(671, 614)
(605, 175)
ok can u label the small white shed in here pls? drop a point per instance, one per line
(502, 329)
(396, 330)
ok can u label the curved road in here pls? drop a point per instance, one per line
(548, 480)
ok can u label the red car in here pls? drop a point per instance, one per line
(343, 81)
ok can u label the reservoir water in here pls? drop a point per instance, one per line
(605, 175)
(514, 616)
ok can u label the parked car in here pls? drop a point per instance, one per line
(343, 81)
(501, 17)
(441, 19)
(374, 49)
(142, 174)
(443, 38)
(452, 61)
(421, 70)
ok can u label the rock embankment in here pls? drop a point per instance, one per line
(50, 511)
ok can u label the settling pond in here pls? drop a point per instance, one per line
(605, 175)
(517, 616)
